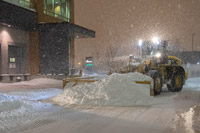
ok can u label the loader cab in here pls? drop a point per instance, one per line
(133, 60)
(174, 61)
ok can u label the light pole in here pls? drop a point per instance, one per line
(140, 44)
(193, 41)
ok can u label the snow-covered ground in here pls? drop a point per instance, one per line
(20, 101)
(33, 82)
(31, 85)
(23, 112)
(17, 108)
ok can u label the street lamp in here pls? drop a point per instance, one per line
(140, 43)
(155, 40)
(192, 41)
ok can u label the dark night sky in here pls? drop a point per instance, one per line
(124, 22)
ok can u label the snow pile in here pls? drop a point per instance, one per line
(17, 108)
(188, 120)
(115, 90)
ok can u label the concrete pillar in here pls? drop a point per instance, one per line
(72, 49)
(5, 39)
(34, 52)
(72, 53)
(4, 57)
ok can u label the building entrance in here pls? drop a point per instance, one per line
(15, 56)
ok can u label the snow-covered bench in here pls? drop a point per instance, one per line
(14, 77)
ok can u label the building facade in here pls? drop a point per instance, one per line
(37, 37)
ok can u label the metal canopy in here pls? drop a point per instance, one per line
(72, 30)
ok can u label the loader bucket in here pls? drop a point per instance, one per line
(74, 81)
(71, 82)
(147, 83)
(138, 82)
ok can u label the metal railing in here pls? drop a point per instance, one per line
(53, 14)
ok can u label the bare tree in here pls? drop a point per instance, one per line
(110, 57)
(113, 59)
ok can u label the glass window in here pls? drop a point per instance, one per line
(68, 9)
(49, 7)
(58, 8)
(172, 62)
(25, 3)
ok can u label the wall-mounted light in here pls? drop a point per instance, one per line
(6, 37)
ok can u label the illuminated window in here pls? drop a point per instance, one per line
(22, 3)
(25, 3)
(58, 8)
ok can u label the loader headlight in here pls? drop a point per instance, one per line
(158, 55)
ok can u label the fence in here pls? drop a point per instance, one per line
(193, 70)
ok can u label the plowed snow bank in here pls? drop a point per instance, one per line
(115, 90)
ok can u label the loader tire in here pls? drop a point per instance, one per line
(157, 84)
(176, 83)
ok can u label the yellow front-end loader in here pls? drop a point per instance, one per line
(163, 69)
(157, 64)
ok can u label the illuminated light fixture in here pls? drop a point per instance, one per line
(79, 63)
(198, 63)
(158, 55)
(140, 43)
(9, 26)
(155, 40)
